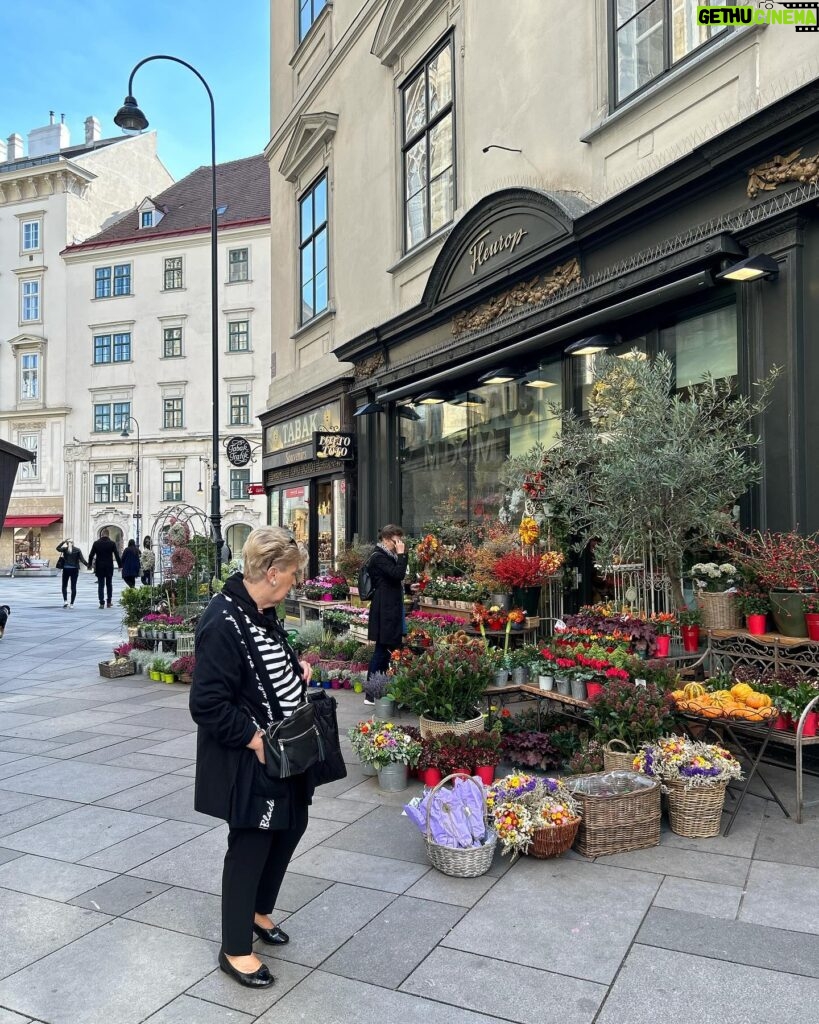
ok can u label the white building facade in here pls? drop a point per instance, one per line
(139, 318)
(50, 196)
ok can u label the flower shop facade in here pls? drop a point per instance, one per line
(531, 285)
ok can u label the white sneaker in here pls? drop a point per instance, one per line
(65, 604)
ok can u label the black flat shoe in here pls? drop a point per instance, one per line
(272, 936)
(262, 978)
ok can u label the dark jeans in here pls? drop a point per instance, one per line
(130, 580)
(147, 579)
(105, 583)
(380, 661)
(255, 863)
(70, 574)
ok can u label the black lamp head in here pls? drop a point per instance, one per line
(752, 268)
(130, 118)
(125, 432)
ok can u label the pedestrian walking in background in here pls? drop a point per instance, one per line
(131, 563)
(147, 563)
(71, 557)
(388, 567)
(101, 562)
(247, 677)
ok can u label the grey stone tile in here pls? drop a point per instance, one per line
(26, 764)
(55, 727)
(93, 745)
(354, 778)
(183, 747)
(734, 941)
(153, 967)
(128, 799)
(297, 890)
(122, 729)
(77, 780)
(145, 846)
(120, 894)
(593, 913)
(7, 756)
(180, 910)
(507, 991)
(666, 860)
(161, 735)
(327, 922)
(384, 832)
(186, 1009)
(60, 708)
(218, 988)
(25, 940)
(338, 810)
(196, 864)
(327, 999)
(32, 812)
(463, 892)
(11, 801)
(13, 719)
(150, 762)
(408, 928)
(657, 984)
(786, 842)
(781, 896)
(113, 748)
(52, 879)
(709, 898)
(319, 830)
(7, 1017)
(741, 840)
(79, 833)
(368, 791)
(21, 746)
(165, 718)
(189, 771)
(7, 855)
(358, 869)
(179, 806)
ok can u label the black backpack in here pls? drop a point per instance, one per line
(365, 582)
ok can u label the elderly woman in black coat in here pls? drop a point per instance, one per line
(247, 677)
(387, 567)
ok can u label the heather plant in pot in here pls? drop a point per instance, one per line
(630, 714)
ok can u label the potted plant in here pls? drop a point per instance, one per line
(136, 602)
(544, 669)
(158, 666)
(496, 660)
(485, 753)
(519, 661)
(445, 688)
(715, 585)
(787, 565)
(664, 622)
(628, 716)
(524, 576)
(754, 605)
(690, 620)
(810, 606)
(360, 737)
(377, 689)
(392, 751)
(533, 815)
(183, 667)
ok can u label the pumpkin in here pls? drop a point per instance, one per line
(711, 711)
(692, 690)
(757, 701)
(677, 695)
(740, 691)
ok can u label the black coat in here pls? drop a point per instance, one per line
(386, 623)
(72, 558)
(227, 705)
(101, 556)
(130, 562)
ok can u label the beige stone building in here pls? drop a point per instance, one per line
(451, 177)
(52, 194)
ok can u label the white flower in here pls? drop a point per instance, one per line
(728, 569)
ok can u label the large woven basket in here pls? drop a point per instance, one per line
(719, 611)
(617, 824)
(554, 840)
(430, 727)
(618, 760)
(461, 863)
(697, 812)
(118, 670)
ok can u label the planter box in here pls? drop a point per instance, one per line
(125, 668)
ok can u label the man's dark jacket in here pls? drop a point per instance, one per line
(101, 556)
(386, 623)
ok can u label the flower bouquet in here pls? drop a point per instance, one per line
(528, 531)
(533, 814)
(552, 562)
(517, 571)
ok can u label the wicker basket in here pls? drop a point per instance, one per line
(116, 671)
(460, 863)
(618, 760)
(430, 728)
(719, 611)
(617, 824)
(554, 840)
(696, 812)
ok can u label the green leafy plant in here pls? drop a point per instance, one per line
(690, 617)
(137, 601)
(447, 686)
(633, 714)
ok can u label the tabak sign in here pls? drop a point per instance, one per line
(335, 445)
(299, 430)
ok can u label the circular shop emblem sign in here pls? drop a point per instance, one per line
(238, 451)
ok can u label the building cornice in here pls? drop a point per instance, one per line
(38, 414)
(22, 184)
(89, 251)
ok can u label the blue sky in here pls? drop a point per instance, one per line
(74, 57)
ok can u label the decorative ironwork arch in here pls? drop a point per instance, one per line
(198, 526)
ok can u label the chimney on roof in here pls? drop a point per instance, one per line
(15, 146)
(51, 117)
(93, 131)
(51, 138)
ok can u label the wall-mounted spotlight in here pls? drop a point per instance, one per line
(468, 401)
(502, 376)
(590, 346)
(751, 269)
(538, 379)
(431, 398)
(368, 408)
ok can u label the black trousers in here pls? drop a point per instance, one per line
(130, 580)
(104, 583)
(70, 574)
(380, 660)
(255, 864)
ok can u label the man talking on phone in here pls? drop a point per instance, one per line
(388, 567)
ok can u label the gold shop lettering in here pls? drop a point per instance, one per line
(481, 250)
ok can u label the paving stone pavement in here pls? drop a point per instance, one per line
(110, 882)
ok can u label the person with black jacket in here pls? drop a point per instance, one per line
(101, 561)
(388, 567)
(130, 563)
(246, 677)
(72, 557)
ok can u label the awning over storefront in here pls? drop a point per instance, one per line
(16, 522)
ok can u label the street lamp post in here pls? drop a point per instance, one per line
(138, 512)
(132, 121)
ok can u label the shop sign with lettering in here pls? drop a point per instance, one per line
(289, 456)
(334, 446)
(299, 430)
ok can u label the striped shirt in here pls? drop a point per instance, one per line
(283, 679)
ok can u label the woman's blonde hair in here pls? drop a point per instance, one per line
(271, 545)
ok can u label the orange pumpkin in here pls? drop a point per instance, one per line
(757, 701)
(741, 691)
(678, 695)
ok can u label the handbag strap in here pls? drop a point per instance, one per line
(258, 662)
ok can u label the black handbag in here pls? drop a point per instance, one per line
(330, 767)
(61, 562)
(293, 744)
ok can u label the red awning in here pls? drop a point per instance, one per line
(18, 521)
